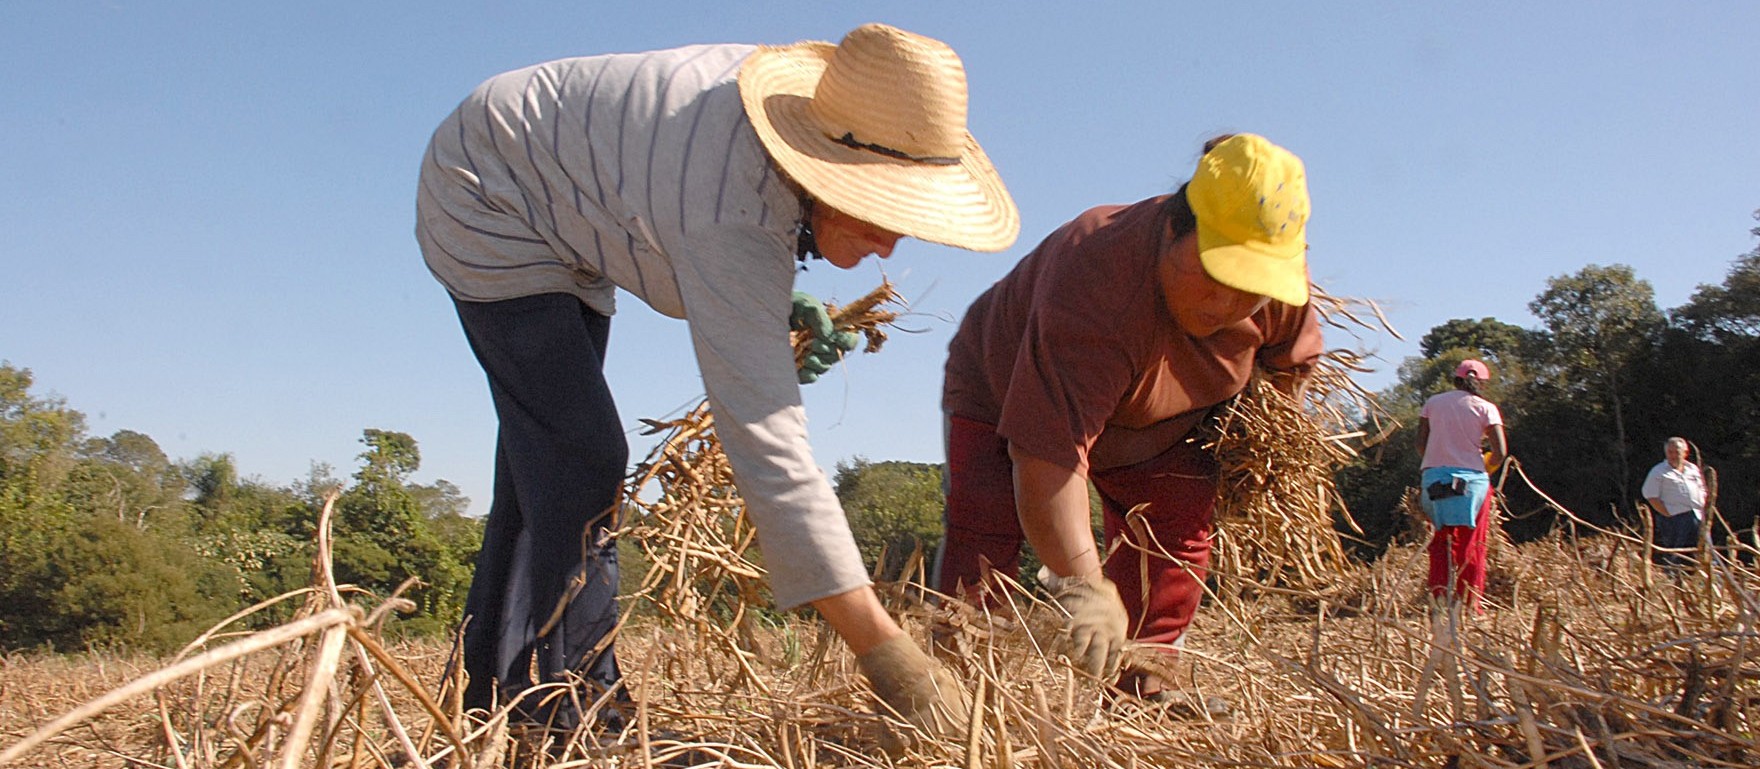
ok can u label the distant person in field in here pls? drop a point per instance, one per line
(1455, 430)
(1093, 361)
(696, 179)
(1675, 489)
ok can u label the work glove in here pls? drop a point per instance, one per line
(1097, 622)
(828, 346)
(917, 689)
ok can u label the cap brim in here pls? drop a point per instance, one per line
(963, 205)
(1279, 273)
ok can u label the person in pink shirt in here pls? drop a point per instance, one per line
(1455, 490)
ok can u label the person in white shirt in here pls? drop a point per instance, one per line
(693, 179)
(1675, 490)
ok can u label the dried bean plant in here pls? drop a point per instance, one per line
(1277, 446)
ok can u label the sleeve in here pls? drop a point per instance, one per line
(1652, 484)
(1425, 412)
(1293, 338)
(1493, 415)
(1072, 370)
(735, 281)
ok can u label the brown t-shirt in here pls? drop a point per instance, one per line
(1076, 359)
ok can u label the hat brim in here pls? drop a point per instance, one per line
(963, 205)
(1263, 269)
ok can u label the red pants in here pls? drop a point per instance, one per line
(1461, 550)
(1178, 487)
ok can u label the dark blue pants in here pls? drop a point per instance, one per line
(1675, 532)
(560, 458)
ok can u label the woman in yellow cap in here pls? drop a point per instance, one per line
(1093, 360)
(692, 179)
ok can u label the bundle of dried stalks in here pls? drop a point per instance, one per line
(1277, 453)
(868, 316)
(687, 517)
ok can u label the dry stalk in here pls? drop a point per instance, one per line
(1277, 446)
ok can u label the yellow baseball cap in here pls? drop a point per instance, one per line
(1251, 201)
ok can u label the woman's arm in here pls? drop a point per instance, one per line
(1052, 502)
(1498, 443)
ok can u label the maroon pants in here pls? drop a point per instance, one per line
(1461, 550)
(1162, 549)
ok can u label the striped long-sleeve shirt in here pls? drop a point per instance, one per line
(642, 172)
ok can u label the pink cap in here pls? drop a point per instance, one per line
(1472, 368)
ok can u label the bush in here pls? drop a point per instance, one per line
(110, 584)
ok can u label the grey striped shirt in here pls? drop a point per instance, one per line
(641, 172)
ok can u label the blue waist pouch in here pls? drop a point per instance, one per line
(1453, 495)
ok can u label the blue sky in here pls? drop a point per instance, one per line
(206, 208)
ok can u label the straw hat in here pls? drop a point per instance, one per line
(876, 128)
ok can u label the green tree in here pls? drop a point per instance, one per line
(894, 509)
(212, 477)
(117, 585)
(1601, 321)
(1729, 312)
(440, 499)
(383, 536)
(107, 541)
(37, 439)
(92, 534)
(1606, 379)
(38, 434)
(264, 532)
(1486, 338)
(127, 475)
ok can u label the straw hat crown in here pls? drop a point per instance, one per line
(890, 88)
(876, 128)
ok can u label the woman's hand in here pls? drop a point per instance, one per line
(829, 345)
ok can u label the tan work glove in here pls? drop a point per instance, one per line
(917, 689)
(1097, 622)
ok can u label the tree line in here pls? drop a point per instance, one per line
(105, 541)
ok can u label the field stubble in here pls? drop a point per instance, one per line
(1584, 658)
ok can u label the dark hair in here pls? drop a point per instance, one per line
(1215, 140)
(1179, 210)
(806, 244)
(1179, 214)
(1468, 383)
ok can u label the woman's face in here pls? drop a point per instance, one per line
(845, 240)
(1199, 304)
